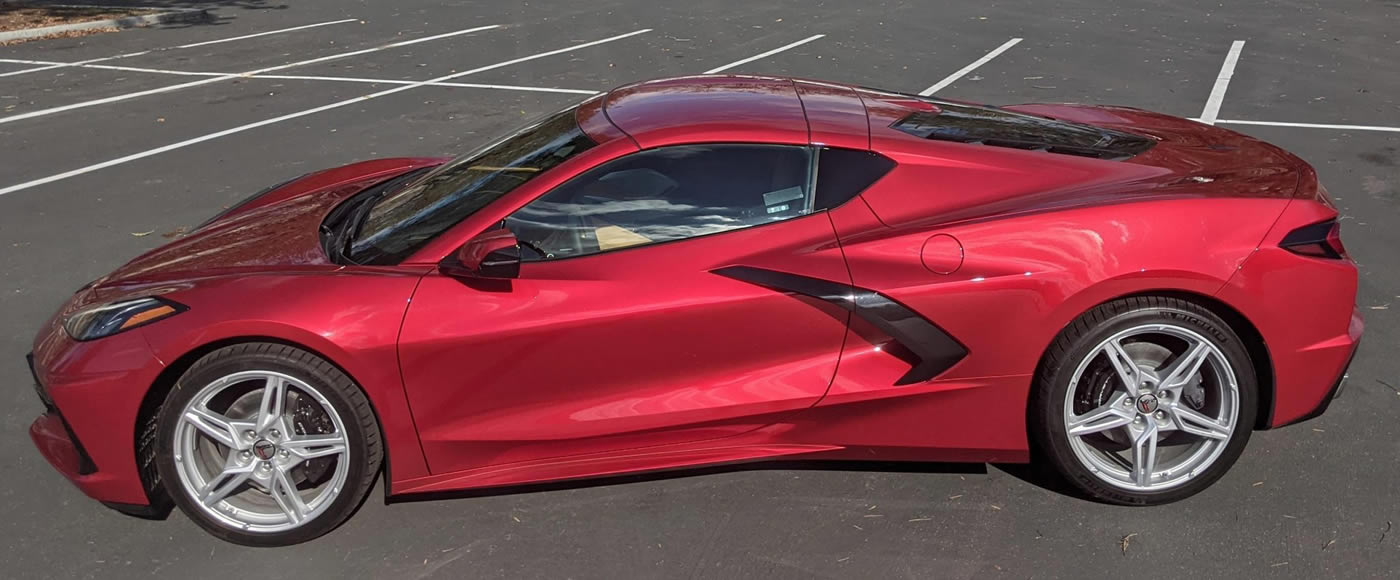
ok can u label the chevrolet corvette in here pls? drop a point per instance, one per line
(713, 270)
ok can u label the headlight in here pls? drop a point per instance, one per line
(101, 320)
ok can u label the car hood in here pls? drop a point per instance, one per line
(276, 229)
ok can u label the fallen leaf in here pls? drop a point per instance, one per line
(998, 508)
(1385, 306)
(1031, 78)
(1329, 544)
(143, 234)
(1275, 565)
(1319, 430)
(1257, 484)
(929, 519)
(1127, 540)
(955, 496)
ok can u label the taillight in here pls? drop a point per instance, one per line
(1321, 240)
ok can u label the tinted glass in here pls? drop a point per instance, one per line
(406, 219)
(665, 194)
(844, 173)
(1003, 128)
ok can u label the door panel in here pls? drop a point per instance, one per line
(631, 348)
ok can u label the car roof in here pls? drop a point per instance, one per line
(737, 108)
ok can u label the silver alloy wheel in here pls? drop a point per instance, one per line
(1163, 403)
(245, 446)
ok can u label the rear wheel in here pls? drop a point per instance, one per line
(267, 445)
(1144, 400)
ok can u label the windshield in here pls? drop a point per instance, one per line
(406, 219)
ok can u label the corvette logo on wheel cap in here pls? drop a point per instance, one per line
(1147, 403)
(264, 449)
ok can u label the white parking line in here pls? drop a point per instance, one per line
(280, 31)
(1222, 82)
(55, 65)
(764, 55)
(95, 102)
(952, 78)
(110, 67)
(191, 73)
(336, 105)
(431, 84)
(1310, 125)
(30, 70)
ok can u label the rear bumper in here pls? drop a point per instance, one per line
(1333, 393)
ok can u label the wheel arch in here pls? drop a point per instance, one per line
(147, 416)
(1254, 344)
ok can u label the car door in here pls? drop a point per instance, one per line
(618, 333)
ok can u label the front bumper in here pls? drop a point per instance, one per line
(92, 394)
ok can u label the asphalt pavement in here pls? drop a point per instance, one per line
(100, 164)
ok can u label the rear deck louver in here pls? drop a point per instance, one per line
(1001, 128)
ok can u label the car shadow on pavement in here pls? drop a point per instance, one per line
(1027, 473)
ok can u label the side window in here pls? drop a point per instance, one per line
(843, 173)
(665, 194)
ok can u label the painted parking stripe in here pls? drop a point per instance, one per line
(432, 84)
(986, 58)
(1310, 125)
(156, 91)
(270, 32)
(764, 54)
(131, 54)
(1222, 82)
(287, 117)
(309, 78)
(113, 67)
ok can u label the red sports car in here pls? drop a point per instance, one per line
(705, 270)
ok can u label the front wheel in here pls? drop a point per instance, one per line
(267, 445)
(1144, 400)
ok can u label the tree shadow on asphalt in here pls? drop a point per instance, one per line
(173, 4)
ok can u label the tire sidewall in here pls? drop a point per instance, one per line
(1050, 414)
(207, 371)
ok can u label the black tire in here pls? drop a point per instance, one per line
(362, 434)
(1046, 416)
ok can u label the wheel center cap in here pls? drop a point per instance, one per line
(1147, 404)
(264, 449)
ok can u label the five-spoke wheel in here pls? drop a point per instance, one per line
(1145, 400)
(257, 433)
(267, 445)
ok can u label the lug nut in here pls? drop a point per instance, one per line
(283, 453)
(266, 465)
(245, 455)
(275, 434)
(249, 434)
(1161, 415)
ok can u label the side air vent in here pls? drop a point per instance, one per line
(1001, 128)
